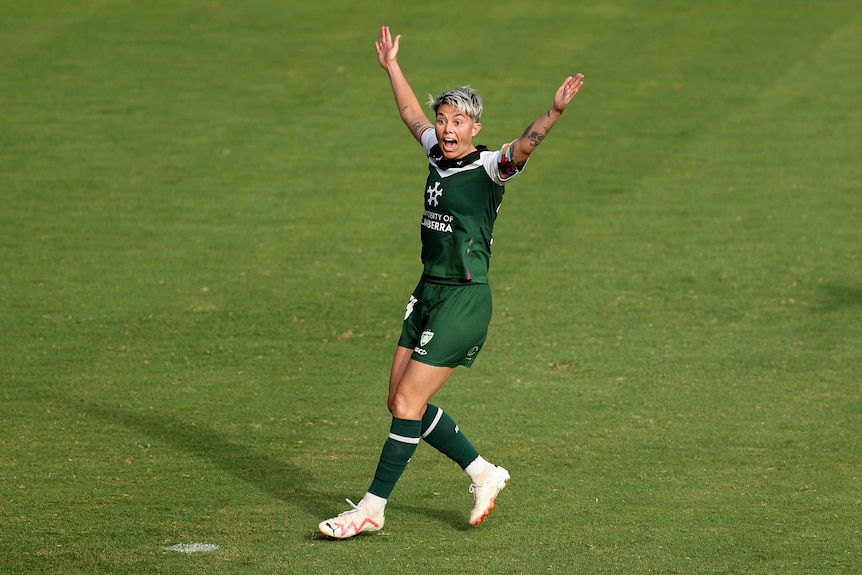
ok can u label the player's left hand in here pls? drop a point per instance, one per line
(567, 91)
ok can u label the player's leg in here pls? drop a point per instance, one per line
(418, 383)
(442, 433)
(454, 334)
(438, 429)
(399, 365)
(400, 444)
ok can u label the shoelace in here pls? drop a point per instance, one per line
(352, 504)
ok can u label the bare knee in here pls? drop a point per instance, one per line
(405, 407)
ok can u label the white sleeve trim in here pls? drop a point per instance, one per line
(428, 137)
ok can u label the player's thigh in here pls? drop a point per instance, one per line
(417, 386)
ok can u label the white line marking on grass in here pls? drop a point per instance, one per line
(192, 547)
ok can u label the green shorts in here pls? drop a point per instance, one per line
(446, 322)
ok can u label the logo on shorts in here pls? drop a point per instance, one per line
(426, 337)
(473, 351)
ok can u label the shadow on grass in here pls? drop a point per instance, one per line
(279, 478)
(837, 298)
(455, 520)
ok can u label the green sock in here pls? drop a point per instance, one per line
(441, 433)
(396, 454)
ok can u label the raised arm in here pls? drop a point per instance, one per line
(409, 107)
(533, 136)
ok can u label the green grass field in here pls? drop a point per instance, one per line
(209, 229)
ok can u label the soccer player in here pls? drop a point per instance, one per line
(447, 315)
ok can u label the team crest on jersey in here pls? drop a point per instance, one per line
(426, 337)
(434, 194)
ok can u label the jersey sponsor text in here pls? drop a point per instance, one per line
(437, 222)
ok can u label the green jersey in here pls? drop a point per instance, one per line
(462, 198)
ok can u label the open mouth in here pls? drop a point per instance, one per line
(449, 145)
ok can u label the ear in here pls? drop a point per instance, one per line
(476, 127)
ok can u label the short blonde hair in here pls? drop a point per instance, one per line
(464, 99)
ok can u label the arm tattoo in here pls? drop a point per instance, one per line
(535, 137)
(416, 127)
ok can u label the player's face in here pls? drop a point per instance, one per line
(455, 132)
